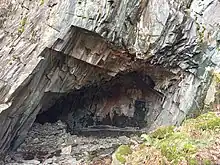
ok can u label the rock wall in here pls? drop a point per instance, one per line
(49, 48)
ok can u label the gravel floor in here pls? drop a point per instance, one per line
(50, 143)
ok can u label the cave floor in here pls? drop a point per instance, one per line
(51, 143)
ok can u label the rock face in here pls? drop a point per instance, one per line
(51, 48)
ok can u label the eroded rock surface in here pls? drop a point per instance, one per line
(50, 48)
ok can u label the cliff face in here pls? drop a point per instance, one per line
(50, 48)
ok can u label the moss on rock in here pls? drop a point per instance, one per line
(163, 132)
(168, 145)
(121, 152)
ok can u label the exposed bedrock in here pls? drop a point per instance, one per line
(123, 56)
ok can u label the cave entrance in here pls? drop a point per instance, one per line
(127, 100)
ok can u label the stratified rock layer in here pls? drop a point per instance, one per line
(49, 48)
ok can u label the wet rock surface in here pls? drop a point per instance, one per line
(50, 143)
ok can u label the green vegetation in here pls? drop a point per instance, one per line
(163, 132)
(200, 31)
(41, 2)
(170, 145)
(121, 152)
(22, 24)
(209, 121)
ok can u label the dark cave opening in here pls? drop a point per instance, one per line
(128, 100)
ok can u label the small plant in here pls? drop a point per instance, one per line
(41, 2)
(23, 21)
(21, 30)
(121, 152)
(163, 132)
(147, 156)
(200, 31)
(22, 24)
(207, 121)
(177, 147)
(216, 76)
(207, 162)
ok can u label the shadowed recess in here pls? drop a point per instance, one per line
(128, 100)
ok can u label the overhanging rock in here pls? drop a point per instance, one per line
(52, 48)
